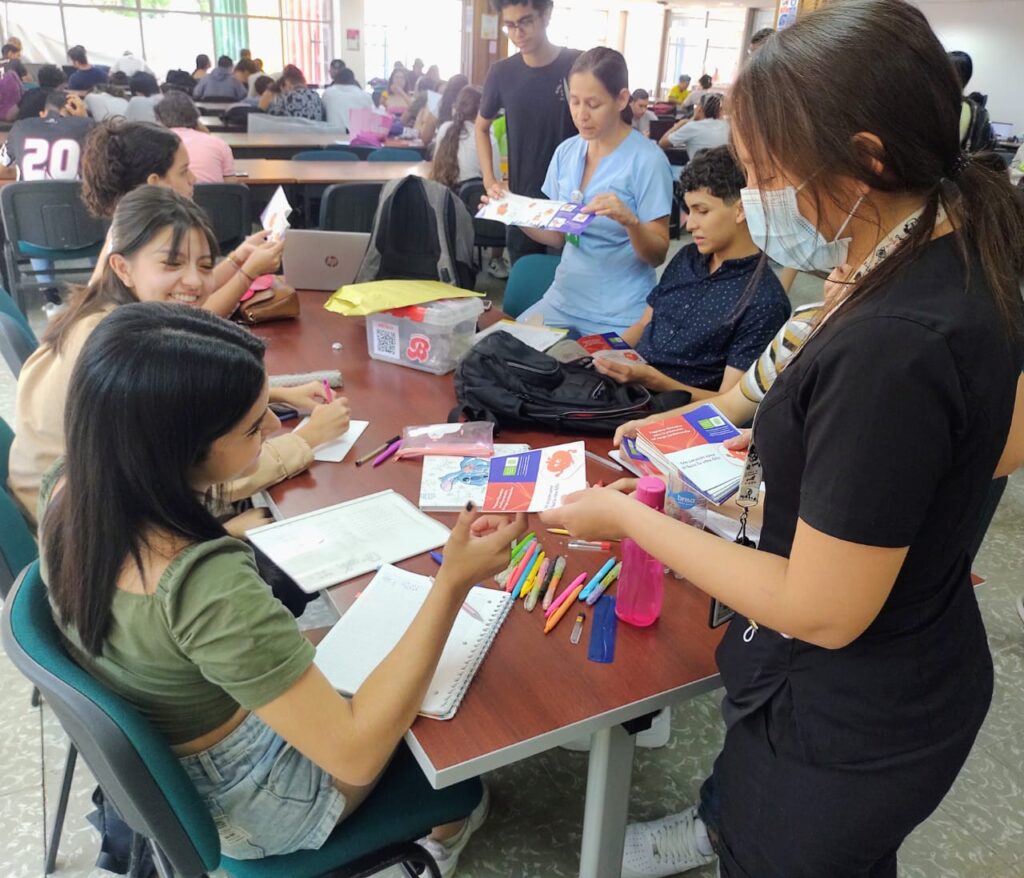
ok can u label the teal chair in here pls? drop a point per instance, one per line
(17, 545)
(143, 780)
(8, 307)
(528, 282)
(325, 155)
(394, 154)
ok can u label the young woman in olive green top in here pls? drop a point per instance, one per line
(161, 605)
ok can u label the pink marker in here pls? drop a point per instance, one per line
(561, 599)
(384, 455)
(327, 391)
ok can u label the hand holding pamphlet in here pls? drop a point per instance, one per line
(537, 213)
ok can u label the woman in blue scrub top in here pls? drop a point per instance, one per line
(607, 272)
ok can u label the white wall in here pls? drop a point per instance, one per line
(990, 31)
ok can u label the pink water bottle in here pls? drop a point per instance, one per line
(641, 581)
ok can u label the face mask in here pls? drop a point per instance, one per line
(778, 228)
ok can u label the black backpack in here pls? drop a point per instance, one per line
(979, 134)
(510, 384)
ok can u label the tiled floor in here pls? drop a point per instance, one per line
(534, 830)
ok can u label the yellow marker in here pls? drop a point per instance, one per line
(532, 578)
(561, 531)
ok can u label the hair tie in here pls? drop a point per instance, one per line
(960, 164)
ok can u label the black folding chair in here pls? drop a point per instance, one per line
(486, 233)
(229, 207)
(349, 207)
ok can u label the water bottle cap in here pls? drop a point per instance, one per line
(651, 492)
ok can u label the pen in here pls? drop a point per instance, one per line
(587, 546)
(372, 454)
(601, 574)
(437, 557)
(562, 532)
(469, 611)
(518, 578)
(529, 576)
(556, 616)
(563, 598)
(549, 593)
(327, 391)
(605, 461)
(533, 586)
(384, 455)
(613, 574)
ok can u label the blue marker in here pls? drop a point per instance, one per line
(596, 581)
(526, 571)
(438, 557)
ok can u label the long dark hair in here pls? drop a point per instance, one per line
(609, 68)
(451, 93)
(136, 424)
(446, 158)
(789, 115)
(141, 215)
(121, 155)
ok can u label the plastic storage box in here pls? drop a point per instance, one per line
(431, 337)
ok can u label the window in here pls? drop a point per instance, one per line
(703, 41)
(404, 30)
(170, 33)
(578, 27)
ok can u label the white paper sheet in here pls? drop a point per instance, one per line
(335, 450)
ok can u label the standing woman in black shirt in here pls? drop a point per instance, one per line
(878, 444)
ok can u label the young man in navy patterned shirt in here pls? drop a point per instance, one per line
(715, 308)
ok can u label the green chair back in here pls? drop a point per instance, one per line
(325, 155)
(17, 545)
(394, 154)
(528, 282)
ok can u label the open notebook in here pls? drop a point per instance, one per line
(375, 623)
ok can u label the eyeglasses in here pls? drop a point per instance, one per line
(522, 25)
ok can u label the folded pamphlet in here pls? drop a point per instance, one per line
(450, 482)
(536, 480)
(537, 213)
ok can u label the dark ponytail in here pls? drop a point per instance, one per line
(446, 157)
(609, 68)
(790, 116)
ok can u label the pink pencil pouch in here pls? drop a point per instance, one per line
(472, 439)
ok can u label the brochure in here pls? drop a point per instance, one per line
(691, 445)
(537, 213)
(609, 345)
(275, 215)
(449, 482)
(536, 480)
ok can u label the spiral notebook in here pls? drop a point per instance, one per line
(364, 636)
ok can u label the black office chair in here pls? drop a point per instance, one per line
(349, 207)
(229, 207)
(237, 117)
(46, 219)
(486, 233)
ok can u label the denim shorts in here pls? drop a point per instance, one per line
(265, 797)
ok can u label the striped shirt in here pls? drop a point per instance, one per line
(763, 371)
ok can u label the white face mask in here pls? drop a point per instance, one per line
(778, 228)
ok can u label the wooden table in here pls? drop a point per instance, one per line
(533, 692)
(283, 145)
(275, 171)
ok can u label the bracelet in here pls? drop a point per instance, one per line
(246, 274)
(231, 258)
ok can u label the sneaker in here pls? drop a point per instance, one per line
(651, 739)
(662, 847)
(446, 853)
(497, 268)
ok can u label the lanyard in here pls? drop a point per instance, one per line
(753, 470)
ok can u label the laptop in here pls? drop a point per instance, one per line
(1002, 130)
(315, 260)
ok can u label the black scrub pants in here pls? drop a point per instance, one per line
(778, 816)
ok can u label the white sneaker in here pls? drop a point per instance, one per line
(656, 736)
(662, 847)
(497, 268)
(446, 853)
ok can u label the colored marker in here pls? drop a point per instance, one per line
(518, 579)
(556, 616)
(521, 565)
(605, 584)
(587, 546)
(522, 543)
(530, 576)
(391, 449)
(437, 557)
(549, 592)
(372, 454)
(533, 586)
(596, 581)
(327, 391)
(563, 598)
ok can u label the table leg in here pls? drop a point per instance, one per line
(604, 819)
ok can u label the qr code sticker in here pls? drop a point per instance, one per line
(385, 340)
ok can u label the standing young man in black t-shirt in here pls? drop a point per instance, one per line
(531, 86)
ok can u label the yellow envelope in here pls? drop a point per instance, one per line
(357, 300)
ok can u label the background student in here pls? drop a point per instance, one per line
(86, 75)
(342, 97)
(220, 82)
(639, 101)
(706, 130)
(202, 67)
(145, 97)
(159, 603)
(121, 155)
(161, 250)
(846, 731)
(290, 96)
(209, 158)
(680, 91)
(622, 177)
(717, 305)
(399, 88)
(531, 87)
